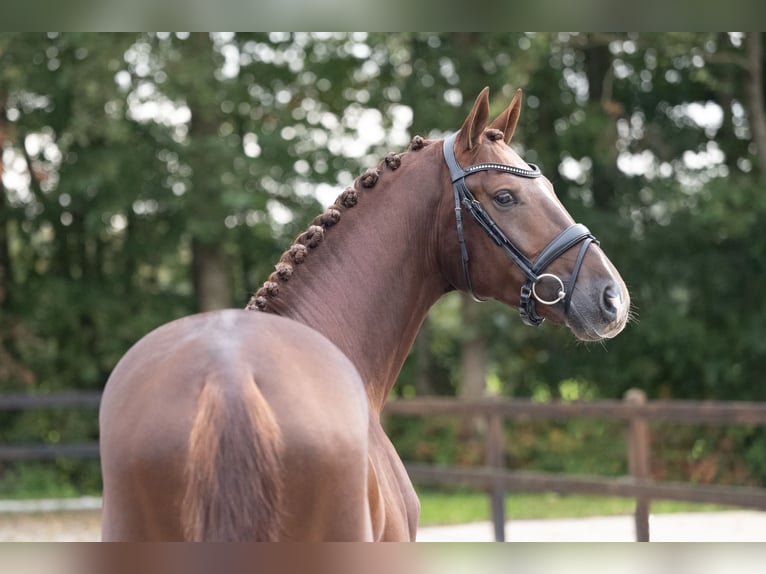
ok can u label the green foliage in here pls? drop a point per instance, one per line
(450, 506)
(58, 479)
(574, 447)
(436, 441)
(122, 154)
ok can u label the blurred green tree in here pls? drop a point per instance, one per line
(148, 176)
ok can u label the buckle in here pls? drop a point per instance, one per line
(527, 306)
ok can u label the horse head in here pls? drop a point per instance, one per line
(515, 241)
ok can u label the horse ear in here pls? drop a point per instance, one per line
(474, 124)
(506, 122)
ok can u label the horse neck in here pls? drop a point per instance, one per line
(370, 283)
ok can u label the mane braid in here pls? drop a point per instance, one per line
(313, 236)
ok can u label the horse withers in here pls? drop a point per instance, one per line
(263, 424)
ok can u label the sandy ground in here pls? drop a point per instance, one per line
(735, 526)
(61, 526)
(57, 521)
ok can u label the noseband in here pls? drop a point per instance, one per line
(533, 270)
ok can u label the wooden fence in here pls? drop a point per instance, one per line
(49, 450)
(634, 410)
(494, 477)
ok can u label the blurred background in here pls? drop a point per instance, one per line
(150, 176)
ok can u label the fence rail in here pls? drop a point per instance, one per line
(48, 451)
(634, 410)
(494, 478)
(54, 400)
(702, 412)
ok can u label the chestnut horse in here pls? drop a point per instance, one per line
(264, 424)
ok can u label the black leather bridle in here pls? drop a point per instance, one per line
(533, 270)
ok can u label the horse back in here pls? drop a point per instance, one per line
(208, 421)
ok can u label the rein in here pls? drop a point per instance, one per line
(533, 270)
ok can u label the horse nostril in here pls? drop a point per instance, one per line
(611, 301)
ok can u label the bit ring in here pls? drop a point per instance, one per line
(561, 293)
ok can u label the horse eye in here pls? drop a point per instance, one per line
(504, 199)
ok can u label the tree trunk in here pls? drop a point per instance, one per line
(423, 381)
(598, 68)
(5, 259)
(754, 96)
(473, 365)
(211, 275)
(211, 272)
(473, 353)
(10, 366)
(724, 97)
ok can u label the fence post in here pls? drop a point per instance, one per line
(495, 459)
(638, 460)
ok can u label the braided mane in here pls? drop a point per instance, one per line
(313, 236)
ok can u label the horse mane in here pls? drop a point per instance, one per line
(310, 239)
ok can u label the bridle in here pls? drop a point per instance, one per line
(533, 270)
